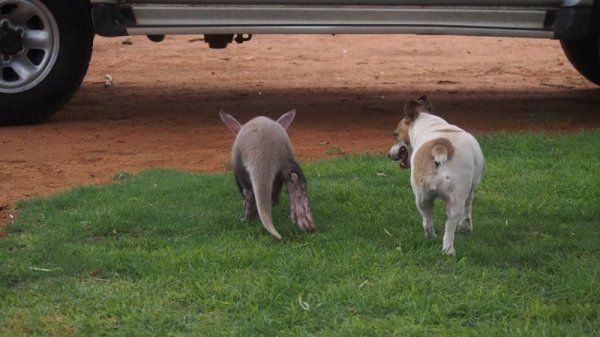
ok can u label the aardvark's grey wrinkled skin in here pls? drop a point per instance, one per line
(262, 160)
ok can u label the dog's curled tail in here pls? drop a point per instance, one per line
(442, 151)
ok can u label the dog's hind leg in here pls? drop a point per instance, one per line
(425, 207)
(455, 210)
(466, 224)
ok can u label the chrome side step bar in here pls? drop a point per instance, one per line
(144, 19)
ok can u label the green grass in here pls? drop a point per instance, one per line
(164, 253)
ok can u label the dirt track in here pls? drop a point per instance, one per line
(162, 109)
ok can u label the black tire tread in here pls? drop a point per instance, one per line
(39, 103)
(584, 55)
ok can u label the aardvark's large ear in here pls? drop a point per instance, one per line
(286, 119)
(231, 122)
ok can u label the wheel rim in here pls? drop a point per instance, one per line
(29, 44)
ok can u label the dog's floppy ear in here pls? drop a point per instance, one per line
(425, 104)
(231, 122)
(413, 108)
(411, 111)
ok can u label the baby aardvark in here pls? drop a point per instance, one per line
(263, 159)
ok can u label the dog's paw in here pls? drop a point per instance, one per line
(449, 251)
(465, 226)
(430, 233)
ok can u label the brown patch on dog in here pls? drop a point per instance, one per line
(425, 163)
(442, 147)
(401, 132)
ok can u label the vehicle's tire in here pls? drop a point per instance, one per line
(584, 55)
(54, 50)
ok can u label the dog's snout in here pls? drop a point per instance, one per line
(393, 153)
(396, 151)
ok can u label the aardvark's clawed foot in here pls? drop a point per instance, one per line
(300, 211)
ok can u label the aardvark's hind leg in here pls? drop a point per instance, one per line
(300, 211)
(250, 211)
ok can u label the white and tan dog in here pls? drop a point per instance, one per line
(446, 162)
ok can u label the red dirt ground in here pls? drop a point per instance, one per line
(349, 91)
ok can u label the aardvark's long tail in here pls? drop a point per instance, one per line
(262, 192)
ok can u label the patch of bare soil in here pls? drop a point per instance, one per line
(162, 108)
